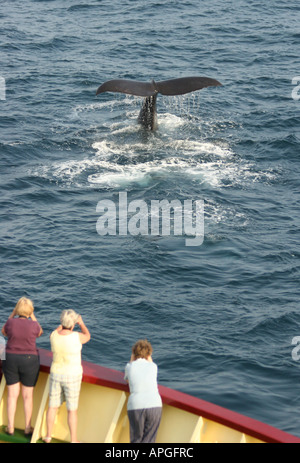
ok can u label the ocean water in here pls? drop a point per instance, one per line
(221, 316)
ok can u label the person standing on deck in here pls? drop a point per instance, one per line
(22, 364)
(144, 406)
(66, 370)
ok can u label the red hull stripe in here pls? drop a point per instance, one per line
(102, 376)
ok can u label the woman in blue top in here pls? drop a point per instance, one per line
(144, 406)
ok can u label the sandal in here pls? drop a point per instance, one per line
(47, 440)
(8, 432)
(28, 433)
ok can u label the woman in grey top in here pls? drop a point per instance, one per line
(144, 406)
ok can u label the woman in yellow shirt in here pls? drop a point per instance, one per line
(66, 370)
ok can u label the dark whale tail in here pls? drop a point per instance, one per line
(150, 90)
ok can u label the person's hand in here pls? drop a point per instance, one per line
(80, 322)
(85, 334)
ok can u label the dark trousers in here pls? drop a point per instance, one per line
(144, 424)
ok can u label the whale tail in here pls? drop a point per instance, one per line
(166, 87)
(150, 90)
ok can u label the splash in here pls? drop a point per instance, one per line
(126, 155)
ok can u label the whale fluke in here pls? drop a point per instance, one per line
(185, 85)
(150, 90)
(130, 87)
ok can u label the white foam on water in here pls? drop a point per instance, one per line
(125, 159)
(171, 122)
(129, 156)
(122, 176)
(120, 179)
(212, 164)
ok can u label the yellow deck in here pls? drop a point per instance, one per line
(102, 418)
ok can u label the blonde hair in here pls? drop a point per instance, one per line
(142, 349)
(24, 307)
(69, 318)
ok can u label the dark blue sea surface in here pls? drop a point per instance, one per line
(221, 316)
